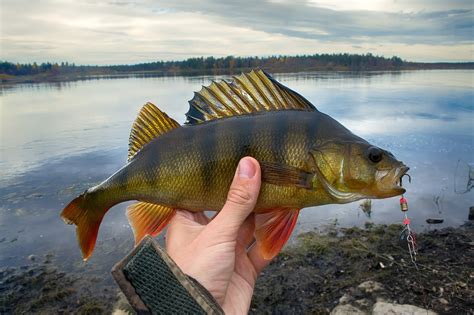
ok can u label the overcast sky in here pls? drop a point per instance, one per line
(122, 31)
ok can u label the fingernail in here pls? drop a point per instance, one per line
(246, 168)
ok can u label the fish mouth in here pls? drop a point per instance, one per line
(390, 182)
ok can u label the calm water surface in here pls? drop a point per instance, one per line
(59, 139)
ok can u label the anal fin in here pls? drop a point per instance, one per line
(148, 218)
(273, 229)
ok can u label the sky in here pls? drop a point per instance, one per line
(128, 32)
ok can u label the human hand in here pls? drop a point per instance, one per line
(214, 252)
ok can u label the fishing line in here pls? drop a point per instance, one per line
(407, 233)
(409, 236)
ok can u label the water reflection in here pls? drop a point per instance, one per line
(59, 139)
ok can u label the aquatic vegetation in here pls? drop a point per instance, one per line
(366, 207)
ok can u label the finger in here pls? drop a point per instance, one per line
(202, 218)
(246, 232)
(182, 217)
(241, 200)
(182, 228)
(257, 259)
(185, 217)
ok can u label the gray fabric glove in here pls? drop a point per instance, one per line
(154, 284)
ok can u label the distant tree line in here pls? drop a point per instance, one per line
(206, 64)
(229, 64)
(34, 68)
(317, 61)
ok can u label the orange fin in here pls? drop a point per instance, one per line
(285, 175)
(273, 229)
(87, 219)
(148, 218)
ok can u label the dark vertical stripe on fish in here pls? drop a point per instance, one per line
(150, 176)
(208, 156)
(279, 128)
(248, 147)
(311, 133)
(122, 180)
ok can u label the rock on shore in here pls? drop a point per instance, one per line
(373, 302)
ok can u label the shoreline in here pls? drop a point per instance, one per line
(7, 80)
(324, 272)
(321, 271)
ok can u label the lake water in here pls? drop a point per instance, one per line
(59, 139)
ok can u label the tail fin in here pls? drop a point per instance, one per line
(87, 219)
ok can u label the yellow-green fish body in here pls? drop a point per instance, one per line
(307, 159)
(192, 167)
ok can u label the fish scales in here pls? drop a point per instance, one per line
(192, 168)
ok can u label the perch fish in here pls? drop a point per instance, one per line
(307, 159)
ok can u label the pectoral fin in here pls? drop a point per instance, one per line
(285, 175)
(273, 229)
(148, 218)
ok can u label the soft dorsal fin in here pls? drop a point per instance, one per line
(248, 93)
(150, 123)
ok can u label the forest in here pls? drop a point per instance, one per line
(10, 71)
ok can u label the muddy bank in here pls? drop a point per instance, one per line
(312, 276)
(322, 270)
(41, 288)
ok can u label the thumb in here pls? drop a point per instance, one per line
(241, 199)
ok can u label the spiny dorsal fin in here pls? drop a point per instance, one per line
(150, 123)
(248, 93)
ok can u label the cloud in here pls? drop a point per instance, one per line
(305, 20)
(121, 31)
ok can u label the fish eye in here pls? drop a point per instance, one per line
(375, 154)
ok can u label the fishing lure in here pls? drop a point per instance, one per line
(407, 233)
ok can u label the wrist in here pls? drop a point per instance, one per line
(153, 283)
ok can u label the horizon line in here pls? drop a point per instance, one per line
(234, 56)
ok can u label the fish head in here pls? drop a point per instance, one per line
(353, 169)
